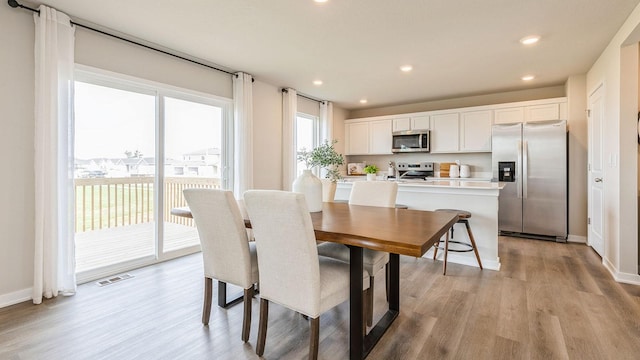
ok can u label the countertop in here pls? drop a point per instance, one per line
(467, 183)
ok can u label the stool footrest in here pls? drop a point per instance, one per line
(470, 247)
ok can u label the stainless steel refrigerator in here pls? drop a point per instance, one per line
(532, 161)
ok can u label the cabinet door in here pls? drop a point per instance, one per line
(509, 115)
(357, 135)
(420, 122)
(380, 137)
(475, 130)
(544, 112)
(402, 124)
(444, 133)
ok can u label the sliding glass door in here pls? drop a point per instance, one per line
(138, 145)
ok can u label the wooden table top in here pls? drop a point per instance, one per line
(398, 231)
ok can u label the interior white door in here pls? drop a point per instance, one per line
(596, 180)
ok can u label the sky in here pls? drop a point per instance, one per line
(110, 121)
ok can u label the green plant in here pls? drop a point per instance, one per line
(325, 157)
(371, 169)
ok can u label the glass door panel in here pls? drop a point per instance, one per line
(114, 176)
(193, 159)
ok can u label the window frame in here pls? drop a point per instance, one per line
(316, 137)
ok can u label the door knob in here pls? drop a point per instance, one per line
(597, 179)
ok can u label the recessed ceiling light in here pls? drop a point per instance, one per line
(317, 82)
(530, 40)
(363, 101)
(406, 68)
(320, 1)
(528, 77)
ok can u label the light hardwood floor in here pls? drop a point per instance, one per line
(549, 301)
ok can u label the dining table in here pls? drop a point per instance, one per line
(396, 231)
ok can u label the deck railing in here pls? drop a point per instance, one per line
(111, 202)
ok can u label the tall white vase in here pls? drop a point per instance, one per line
(309, 185)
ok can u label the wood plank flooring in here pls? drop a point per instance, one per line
(549, 301)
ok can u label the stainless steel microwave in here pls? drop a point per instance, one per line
(410, 141)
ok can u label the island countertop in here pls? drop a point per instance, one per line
(478, 197)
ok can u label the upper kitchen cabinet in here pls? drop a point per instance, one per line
(357, 135)
(445, 133)
(368, 137)
(531, 111)
(475, 131)
(413, 122)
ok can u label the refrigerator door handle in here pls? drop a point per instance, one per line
(525, 166)
(518, 166)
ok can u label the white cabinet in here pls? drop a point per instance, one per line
(509, 115)
(445, 133)
(414, 122)
(357, 138)
(368, 137)
(475, 131)
(544, 112)
(537, 111)
(380, 137)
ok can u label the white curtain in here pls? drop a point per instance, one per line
(243, 133)
(326, 121)
(289, 113)
(54, 259)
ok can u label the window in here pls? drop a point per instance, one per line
(137, 146)
(306, 136)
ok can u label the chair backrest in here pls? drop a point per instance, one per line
(225, 246)
(287, 252)
(374, 193)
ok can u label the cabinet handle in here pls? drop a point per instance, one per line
(597, 179)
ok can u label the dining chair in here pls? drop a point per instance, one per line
(368, 193)
(291, 272)
(227, 254)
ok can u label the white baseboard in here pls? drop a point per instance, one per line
(15, 297)
(626, 278)
(488, 264)
(577, 239)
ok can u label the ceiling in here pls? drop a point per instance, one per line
(456, 48)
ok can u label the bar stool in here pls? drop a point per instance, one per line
(463, 218)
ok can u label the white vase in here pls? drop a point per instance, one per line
(309, 185)
(371, 177)
(328, 190)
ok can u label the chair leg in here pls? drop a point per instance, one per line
(370, 300)
(262, 326)
(446, 251)
(246, 323)
(314, 338)
(208, 295)
(435, 248)
(473, 243)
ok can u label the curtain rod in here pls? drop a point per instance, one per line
(15, 4)
(304, 96)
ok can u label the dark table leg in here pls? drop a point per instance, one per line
(355, 304)
(222, 296)
(359, 346)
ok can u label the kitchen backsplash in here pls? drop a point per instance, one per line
(480, 163)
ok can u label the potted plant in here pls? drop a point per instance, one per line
(326, 158)
(371, 171)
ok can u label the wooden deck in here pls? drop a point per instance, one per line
(99, 248)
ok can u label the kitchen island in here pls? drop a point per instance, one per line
(478, 197)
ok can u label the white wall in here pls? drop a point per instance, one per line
(16, 154)
(620, 148)
(478, 100)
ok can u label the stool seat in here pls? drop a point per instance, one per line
(463, 218)
(462, 214)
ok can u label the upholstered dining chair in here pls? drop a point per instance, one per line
(291, 272)
(228, 255)
(368, 193)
